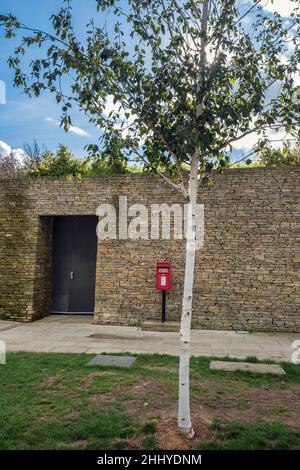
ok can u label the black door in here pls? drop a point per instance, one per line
(74, 264)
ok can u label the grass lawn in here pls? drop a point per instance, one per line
(54, 401)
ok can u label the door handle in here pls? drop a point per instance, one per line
(72, 275)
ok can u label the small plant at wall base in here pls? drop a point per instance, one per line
(192, 78)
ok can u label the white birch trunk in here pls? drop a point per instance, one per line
(184, 418)
(184, 415)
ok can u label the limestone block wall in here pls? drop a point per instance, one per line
(247, 274)
(17, 250)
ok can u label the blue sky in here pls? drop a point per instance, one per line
(23, 119)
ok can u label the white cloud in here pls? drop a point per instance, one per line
(110, 106)
(78, 131)
(249, 141)
(283, 7)
(297, 79)
(6, 150)
(74, 129)
(123, 123)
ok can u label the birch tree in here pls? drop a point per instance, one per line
(172, 84)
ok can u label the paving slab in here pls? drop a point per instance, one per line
(106, 360)
(8, 325)
(75, 333)
(274, 369)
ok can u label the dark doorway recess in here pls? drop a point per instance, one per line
(74, 264)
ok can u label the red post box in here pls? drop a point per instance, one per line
(163, 276)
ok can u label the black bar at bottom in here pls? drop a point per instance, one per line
(131, 460)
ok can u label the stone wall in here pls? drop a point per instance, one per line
(15, 249)
(247, 275)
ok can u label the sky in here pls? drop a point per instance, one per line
(23, 119)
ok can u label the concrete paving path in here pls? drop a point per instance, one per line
(77, 334)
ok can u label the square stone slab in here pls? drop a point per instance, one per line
(247, 367)
(107, 360)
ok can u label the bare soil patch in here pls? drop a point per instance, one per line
(169, 437)
(154, 399)
(246, 404)
(151, 398)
